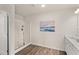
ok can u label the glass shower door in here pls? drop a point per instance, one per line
(3, 33)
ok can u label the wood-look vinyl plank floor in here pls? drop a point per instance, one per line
(38, 50)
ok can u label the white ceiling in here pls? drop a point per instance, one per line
(29, 9)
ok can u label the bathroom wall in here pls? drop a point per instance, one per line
(70, 25)
(55, 39)
(27, 30)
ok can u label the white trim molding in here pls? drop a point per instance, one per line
(22, 47)
(48, 46)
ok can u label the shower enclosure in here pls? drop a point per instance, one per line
(19, 34)
(4, 33)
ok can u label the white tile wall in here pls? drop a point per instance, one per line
(70, 48)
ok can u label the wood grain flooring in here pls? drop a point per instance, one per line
(38, 50)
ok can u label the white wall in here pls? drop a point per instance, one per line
(70, 25)
(55, 39)
(27, 30)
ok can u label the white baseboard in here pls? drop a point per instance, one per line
(38, 45)
(48, 46)
(22, 47)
